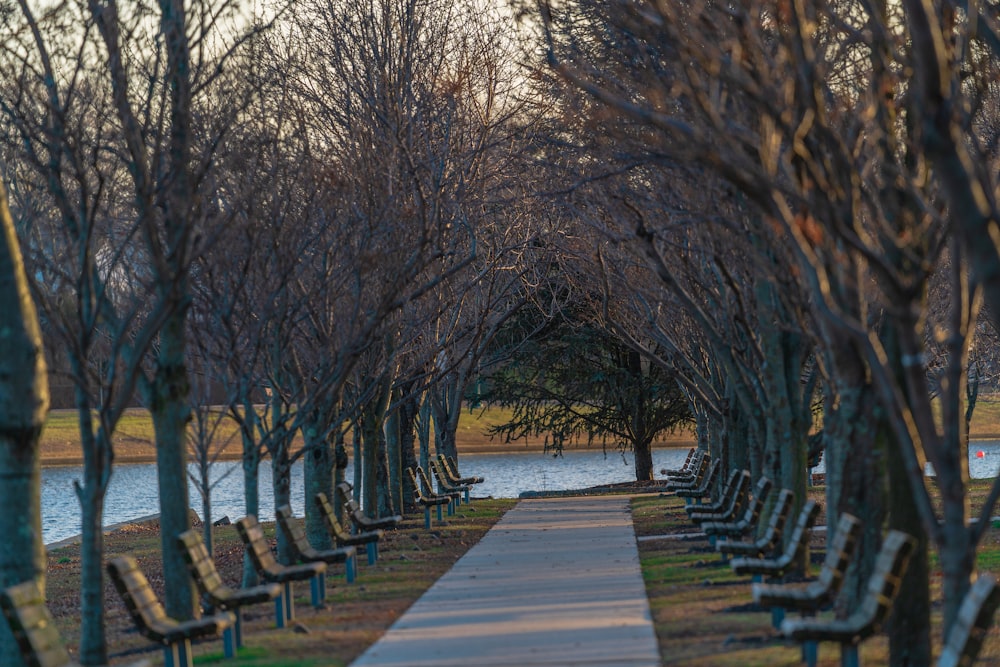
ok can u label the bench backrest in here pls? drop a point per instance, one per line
(140, 600)
(293, 530)
(330, 517)
(779, 517)
(974, 618)
(713, 474)
(883, 585)
(796, 545)
(257, 546)
(839, 550)
(200, 563)
(423, 478)
(33, 627)
(450, 468)
(741, 496)
(417, 488)
(756, 504)
(350, 504)
(441, 478)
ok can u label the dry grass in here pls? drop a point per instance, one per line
(411, 559)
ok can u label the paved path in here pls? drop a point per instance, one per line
(555, 582)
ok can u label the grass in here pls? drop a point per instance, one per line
(702, 612)
(410, 560)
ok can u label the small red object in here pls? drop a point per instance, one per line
(980, 454)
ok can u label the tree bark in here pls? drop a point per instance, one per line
(24, 402)
(317, 469)
(171, 412)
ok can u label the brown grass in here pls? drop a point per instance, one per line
(411, 559)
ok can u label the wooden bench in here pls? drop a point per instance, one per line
(451, 469)
(427, 499)
(304, 552)
(34, 629)
(361, 522)
(151, 619)
(217, 594)
(270, 569)
(790, 557)
(768, 542)
(974, 618)
(446, 487)
(718, 505)
(692, 481)
(686, 469)
(746, 523)
(808, 598)
(867, 619)
(703, 490)
(738, 499)
(453, 496)
(341, 536)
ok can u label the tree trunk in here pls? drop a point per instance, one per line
(394, 455)
(24, 402)
(171, 412)
(407, 423)
(251, 481)
(643, 460)
(281, 486)
(909, 627)
(318, 478)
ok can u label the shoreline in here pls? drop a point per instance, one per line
(57, 460)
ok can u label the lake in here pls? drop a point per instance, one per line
(133, 490)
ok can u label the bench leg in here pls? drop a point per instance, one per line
(466, 496)
(229, 642)
(849, 655)
(351, 569)
(317, 589)
(238, 628)
(810, 653)
(451, 507)
(440, 519)
(427, 517)
(289, 602)
(372, 549)
(178, 654)
(279, 610)
(777, 616)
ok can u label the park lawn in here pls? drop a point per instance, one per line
(410, 560)
(703, 613)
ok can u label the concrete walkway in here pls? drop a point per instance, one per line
(555, 582)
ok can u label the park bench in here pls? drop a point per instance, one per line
(768, 542)
(218, 595)
(270, 569)
(727, 493)
(304, 552)
(965, 640)
(739, 497)
(427, 499)
(451, 469)
(452, 496)
(868, 617)
(773, 568)
(360, 521)
(703, 490)
(808, 598)
(34, 629)
(690, 482)
(745, 524)
(343, 537)
(445, 486)
(686, 471)
(151, 619)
